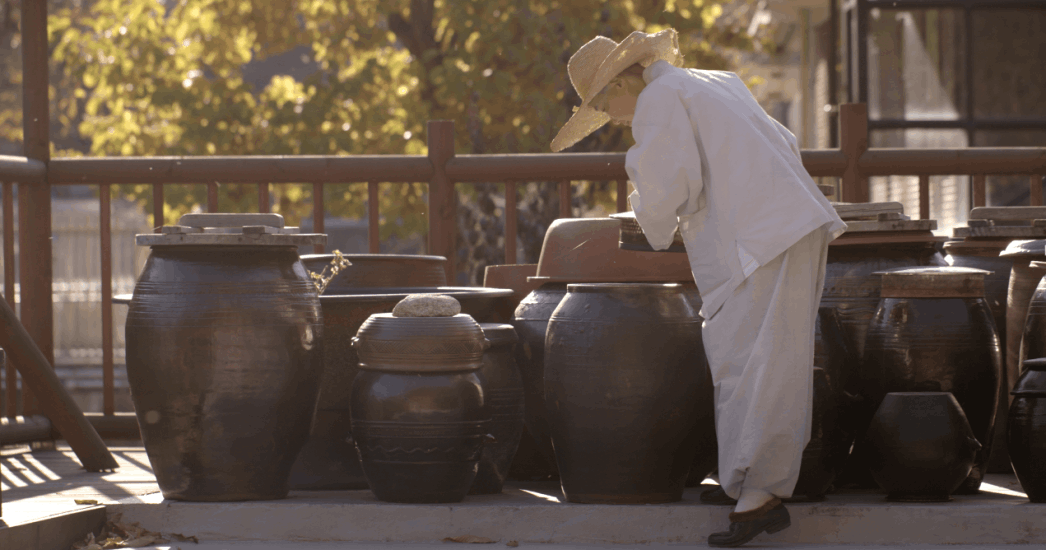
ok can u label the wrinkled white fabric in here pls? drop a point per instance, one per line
(710, 161)
(760, 349)
(708, 158)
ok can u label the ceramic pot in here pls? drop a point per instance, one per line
(852, 288)
(1024, 279)
(224, 358)
(513, 277)
(504, 394)
(328, 460)
(922, 447)
(531, 321)
(1026, 432)
(622, 392)
(933, 331)
(420, 415)
(984, 254)
(381, 271)
(832, 423)
(1033, 342)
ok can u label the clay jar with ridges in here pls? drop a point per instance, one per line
(420, 413)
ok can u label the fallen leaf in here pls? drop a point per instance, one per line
(136, 542)
(84, 501)
(512, 544)
(183, 538)
(471, 539)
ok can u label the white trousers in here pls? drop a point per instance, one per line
(760, 348)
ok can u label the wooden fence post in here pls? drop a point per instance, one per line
(443, 200)
(34, 199)
(853, 131)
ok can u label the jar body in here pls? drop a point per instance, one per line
(420, 412)
(922, 447)
(224, 357)
(624, 390)
(504, 394)
(940, 345)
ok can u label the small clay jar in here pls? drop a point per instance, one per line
(420, 412)
(921, 447)
(504, 394)
(1026, 431)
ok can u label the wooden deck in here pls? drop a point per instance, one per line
(37, 485)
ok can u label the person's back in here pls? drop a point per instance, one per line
(752, 192)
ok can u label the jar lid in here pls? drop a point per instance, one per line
(420, 344)
(225, 229)
(933, 282)
(499, 334)
(1033, 380)
(633, 238)
(1034, 248)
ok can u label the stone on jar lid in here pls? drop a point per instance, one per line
(427, 305)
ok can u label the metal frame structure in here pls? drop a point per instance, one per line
(855, 15)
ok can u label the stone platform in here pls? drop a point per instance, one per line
(534, 513)
(41, 490)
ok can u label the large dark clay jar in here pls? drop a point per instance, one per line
(224, 356)
(832, 431)
(328, 460)
(852, 289)
(984, 254)
(531, 321)
(933, 331)
(1026, 432)
(504, 394)
(1025, 275)
(922, 447)
(1033, 343)
(420, 416)
(622, 391)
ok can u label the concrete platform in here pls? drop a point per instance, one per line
(533, 513)
(41, 489)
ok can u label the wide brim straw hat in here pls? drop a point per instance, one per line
(597, 62)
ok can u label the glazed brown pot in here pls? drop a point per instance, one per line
(623, 393)
(1024, 278)
(832, 432)
(381, 271)
(1026, 432)
(933, 331)
(224, 358)
(327, 462)
(984, 254)
(420, 413)
(922, 447)
(513, 277)
(504, 394)
(852, 289)
(1033, 342)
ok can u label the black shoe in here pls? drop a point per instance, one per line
(744, 526)
(716, 495)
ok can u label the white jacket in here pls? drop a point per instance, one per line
(709, 160)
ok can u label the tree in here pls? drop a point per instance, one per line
(166, 77)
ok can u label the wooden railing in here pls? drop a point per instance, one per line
(442, 170)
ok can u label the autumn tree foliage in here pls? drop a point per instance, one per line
(166, 77)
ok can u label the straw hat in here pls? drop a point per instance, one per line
(597, 62)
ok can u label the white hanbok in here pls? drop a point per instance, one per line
(710, 161)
